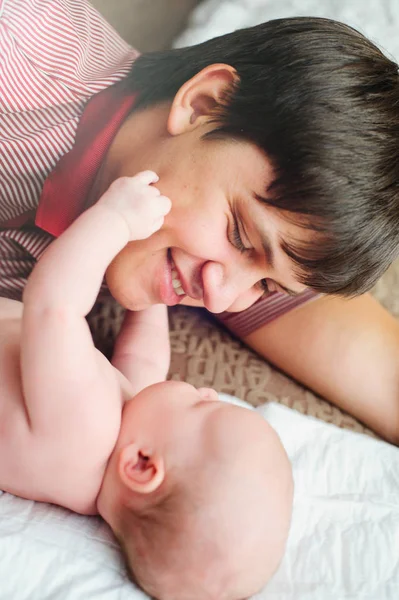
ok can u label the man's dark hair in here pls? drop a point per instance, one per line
(322, 102)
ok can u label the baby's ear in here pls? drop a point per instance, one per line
(140, 470)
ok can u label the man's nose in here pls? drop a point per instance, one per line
(233, 292)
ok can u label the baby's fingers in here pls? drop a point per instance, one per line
(147, 177)
(164, 204)
(157, 224)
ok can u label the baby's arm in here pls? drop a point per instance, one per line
(142, 349)
(64, 378)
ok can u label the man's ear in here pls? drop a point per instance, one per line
(141, 471)
(196, 100)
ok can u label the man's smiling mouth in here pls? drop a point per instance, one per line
(176, 283)
(185, 284)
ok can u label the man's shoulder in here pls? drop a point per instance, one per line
(59, 55)
(64, 42)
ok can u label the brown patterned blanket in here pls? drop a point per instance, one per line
(204, 354)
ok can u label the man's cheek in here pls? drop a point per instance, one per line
(205, 241)
(122, 269)
(157, 242)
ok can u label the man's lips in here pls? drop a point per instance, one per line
(192, 286)
(174, 286)
(168, 294)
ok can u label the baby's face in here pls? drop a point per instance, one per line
(239, 473)
(173, 413)
(185, 422)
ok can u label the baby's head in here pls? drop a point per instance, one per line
(199, 494)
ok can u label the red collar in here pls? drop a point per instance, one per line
(66, 189)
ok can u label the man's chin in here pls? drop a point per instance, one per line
(127, 300)
(135, 304)
(187, 301)
(130, 299)
(125, 295)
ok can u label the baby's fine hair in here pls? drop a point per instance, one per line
(322, 102)
(181, 545)
(153, 539)
(141, 536)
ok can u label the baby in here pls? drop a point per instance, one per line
(198, 492)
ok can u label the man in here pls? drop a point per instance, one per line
(278, 147)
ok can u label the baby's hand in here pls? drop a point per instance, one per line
(139, 203)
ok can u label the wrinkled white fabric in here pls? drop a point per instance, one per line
(377, 19)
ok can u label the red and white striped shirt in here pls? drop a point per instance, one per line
(59, 60)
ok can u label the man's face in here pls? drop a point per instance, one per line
(219, 247)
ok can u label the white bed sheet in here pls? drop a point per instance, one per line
(377, 19)
(344, 540)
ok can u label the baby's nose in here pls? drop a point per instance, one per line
(208, 394)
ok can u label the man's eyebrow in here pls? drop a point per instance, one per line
(268, 250)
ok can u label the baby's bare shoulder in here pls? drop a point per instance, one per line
(15, 438)
(11, 398)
